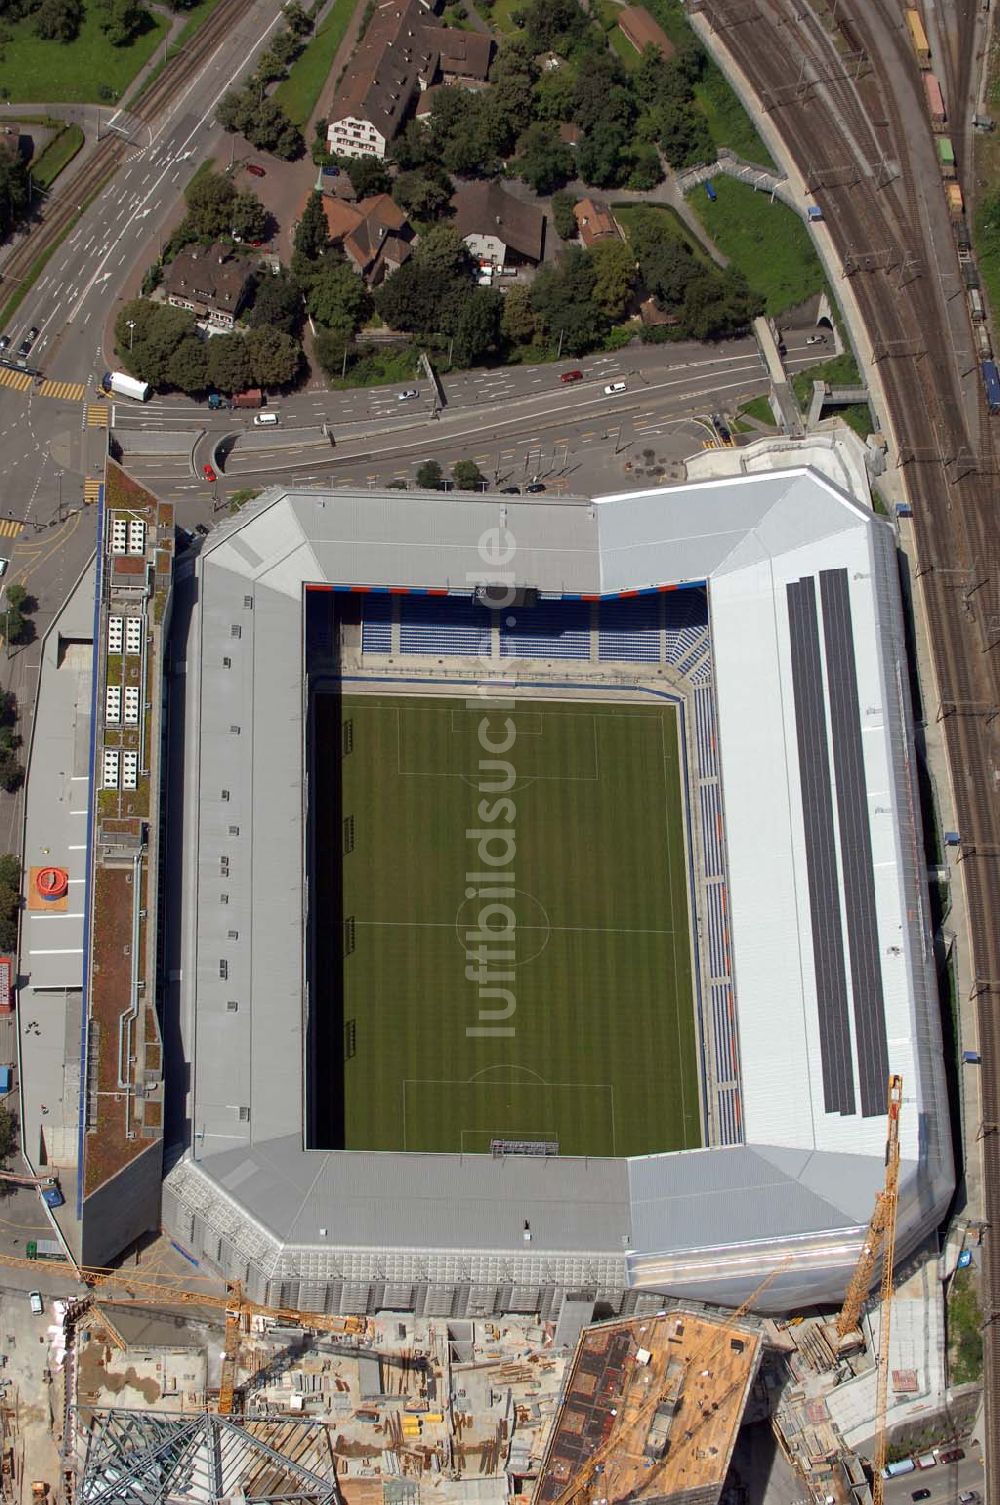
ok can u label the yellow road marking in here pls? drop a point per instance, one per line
(67, 391)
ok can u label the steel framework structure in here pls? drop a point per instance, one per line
(156, 1458)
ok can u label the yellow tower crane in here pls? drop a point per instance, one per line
(880, 1240)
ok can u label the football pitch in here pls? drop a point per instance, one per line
(516, 959)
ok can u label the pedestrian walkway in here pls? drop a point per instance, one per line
(9, 528)
(92, 490)
(97, 415)
(67, 391)
(19, 380)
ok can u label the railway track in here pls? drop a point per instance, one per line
(947, 451)
(66, 203)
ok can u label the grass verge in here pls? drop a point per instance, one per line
(57, 155)
(373, 366)
(765, 240)
(759, 408)
(965, 1335)
(298, 93)
(628, 214)
(78, 72)
(728, 122)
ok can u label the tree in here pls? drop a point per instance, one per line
(554, 25)
(602, 156)
(562, 215)
(228, 363)
(8, 1135)
(58, 20)
(614, 276)
(368, 176)
(122, 21)
(312, 233)
(13, 192)
(512, 87)
(717, 304)
(298, 21)
(646, 169)
(459, 132)
(262, 121)
(544, 162)
(147, 347)
(11, 771)
(277, 301)
(414, 147)
(249, 219)
(684, 136)
(210, 199)
(423, 192)
(337, 296)
(466, 475)
(601, 95)
(477, 329)
(275, 358)
(430, 475)
(329, 348)
(517, 322)
(563, 300)
(235, 110)
(187, 368)
(10, 900)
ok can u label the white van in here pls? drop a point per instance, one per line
(265, 420)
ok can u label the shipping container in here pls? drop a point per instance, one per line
(935, 99)
(956, 203)
(122, 385)
(946, 156)
(976, 308)
(6, 984)
(971, 1057)
(6, 1079)
(983, 344)
(44, 1248)
(253, 397)
(919, 38)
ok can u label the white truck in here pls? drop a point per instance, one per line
(123, 385)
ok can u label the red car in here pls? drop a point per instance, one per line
(209, 473)
(571, 376)
(256, 170)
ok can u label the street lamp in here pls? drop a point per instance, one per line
(130, 325)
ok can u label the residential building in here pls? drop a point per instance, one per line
(210, 281)
(498, 229)
(374, 235)
(393, 62)
(595, 222)
(635, 23)
(401, 54)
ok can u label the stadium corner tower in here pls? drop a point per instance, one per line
(552, 907)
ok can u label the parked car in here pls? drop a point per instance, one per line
(201, 529)
(953, 1455)
(4, 341)
(968, 1497)
(613, 387)
(255, 169)
(208, 472)
(535, 486)
(28, 341)
(4, 566)
(36, 1303)
(510, 491)
(408, 394)
(571, 376)
(816, 339)
(920, 1494)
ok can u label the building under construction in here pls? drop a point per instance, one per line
(651, 1410)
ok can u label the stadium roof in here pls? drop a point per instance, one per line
(833, 968)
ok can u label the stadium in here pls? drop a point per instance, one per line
(553, 898)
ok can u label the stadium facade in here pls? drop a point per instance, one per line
(811, 938)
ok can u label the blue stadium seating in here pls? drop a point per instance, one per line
(376, 624)
(551, 629)
(440, 625)
(629, 630)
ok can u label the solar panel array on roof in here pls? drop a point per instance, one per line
(821, 856)
(855, 843)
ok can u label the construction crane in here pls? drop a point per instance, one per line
(141, 1292)
(880, 1240)
(230, 1351)
(575, 1487)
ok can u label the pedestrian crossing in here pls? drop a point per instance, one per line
(19, 380)
(97, 415)
(65, 391)
(91, 490)
(10, 528)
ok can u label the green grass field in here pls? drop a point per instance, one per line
(766, 241)
(298, 93)
(596, 1049)
(75, 72)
